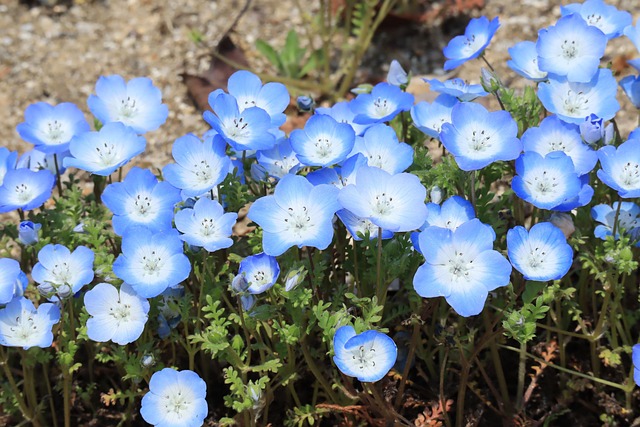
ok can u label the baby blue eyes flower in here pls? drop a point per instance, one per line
(524, 61)
(381, 105)
(50, 128)
(9, 275)
(61, 272)
(457, 88)
(28, 232)
(555, 135)
(392, 202)
(175, 399)
(472, 44)
(136, 103)
(429, 118)
(305, 103)
(361, 226)
(206, 225)
(633, 33)
(572, 102)
(151, 262)
(597, 13)
(635, 355)
(593, 131)
(540, 254)
(22, 325)
(25, 189)
(631, 87)
(259, 273)
(461, 266)
(103, 152)
(323, 141)
(341, 112)
(297, 214)
(7, 162)
(37, 160)
(279, 161)
(140, 200)
(571, 49)
(621, 168)
(200, 165)
(368, 356)
(397, 76)
(248, 90)
(477, 137)
(381, 148)
(628, 220)
(116, 315)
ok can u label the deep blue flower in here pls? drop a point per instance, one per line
(22, 325)
(248, 90)
(382, 149)
(200, 165)
(151, 262)
(279, 161)
(116, 315)
(9, 275)
(472, 44)
(477, 137)
(140, 200)
(540, 254)
(103, 152)
(397, 76)
(458, 88)
(243, 129)
(297, 214)
(628, 220)
(621, 168)
(392, 202)
(555, 135)
(546, 182)
(524, 61)
(597, 13)
(461, 266)
(429, 118)
(572, 102)
(175, 399)
(260, 272)
(381, 105)
(60, 272)
(367, 356)
(28, 232)
(342, 113)
(305, 103)
(631, 87)
(136, 103)
(206, 225)
(50, 128)
(25, 189)
(323, 141)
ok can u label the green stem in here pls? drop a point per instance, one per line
(497, 364)
(415, 336)
(381, 289)
(473, 190)
(58, 178)
(66, 395)
(4, 361)
(522, 370)
(316, 372)
(615, 220)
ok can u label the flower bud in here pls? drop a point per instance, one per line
(489, 81)
(593, 131)
(305, 103)
(363, 88)
(147, 360)
(436, 195)
(564, 222)
(28, 232)
(397, 76)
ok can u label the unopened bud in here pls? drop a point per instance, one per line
(564, 222)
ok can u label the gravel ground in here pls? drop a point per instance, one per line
(56, 53)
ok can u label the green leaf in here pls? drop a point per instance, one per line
(270, 53)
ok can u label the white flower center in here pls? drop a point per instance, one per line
(569, 49)
(594, 20)
(245, 103)
(575, 103)
(556, 146)
(128, 108)
(120, 311)
(536, 257)
(627, 221)
(285, 164)
(480, 141)
(237, 129)
(202, 171)
(142, 205)
(382, 107)
(108, 154)
(364, 358)
(55, 132)
(544, 184)
(459, 266)
(25, 326)
(299, 220)
(630, 175)
(24, 193)
(324, 147)
(61, 273)
(178, 403)
(151, 264)
(208, 227)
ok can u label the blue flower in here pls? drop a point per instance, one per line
(7, 162)
(524, 61)
(381, 105)
(339, 176)
(368, 356)
(540, 254)
(571, 49)
(25, 189)
(168, 306)
(37, 160)
(555, 135)
(546, 182)
(572, 102)
(206, 225)
(260, 272)
(381, 148)
(103, 152)
(621, 168)
(397, 76)
(597, 13)
(60, 272)
(461, 266)
(243, 129)
(136, 103)
(151, 262)
(628, 220)
(429, 118)
(140, 200)
(50, 128)
(280, 160)
(200, 165)
(9, 275)
(458, 88)
(28, 232)
(361, 226)
(116, 315)
(472, 44)
(22, 325)
(323, 141)
(477, 137)
(631, 87)
(248, 90)
(175, 399)
(305, 103)
(297, 214)
(633, 33)
(341, 112)
(392, 202)
(240, 286)
(593, 131)
(635, 355)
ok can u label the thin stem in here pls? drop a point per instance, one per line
(497, 364)
(316, 372)
(415, 336)
(381, 291)
(473, 190)
(4, 361)
(54, 417)
(443, 401)
(615, 219)
(58, 178)
(522, 370)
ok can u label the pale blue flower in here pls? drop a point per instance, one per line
(339, 176)
(7, 162)
(342, 113)
(628, 220)
(429, 118)
(37, 160)
(381, 148)
(477, 36)
(260, 272)
(604, 17)
(381, 105)
(323, 141)
(524, 61)
(25, 189)
(367, 356)
(206, 225)
(62, 273)
(593, 131)
(621, 168)
(397, 76)
(357, 226)
(28, 232)
(457, 88)
(279, 161)
(9, 275)
(631, 87)
(248, 90)
(22, 325)
(633, 33)
(635, 355)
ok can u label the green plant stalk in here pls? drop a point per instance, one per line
(415, 336)
(522, 370)
(58, 178)
(66, 393)
(24, 409)
(462, 388)
(443, 401)
(381, 290)
(311, 364)
(472, 190)
(29, 386)
(615, 220)
(52, 406)
(497, 364)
